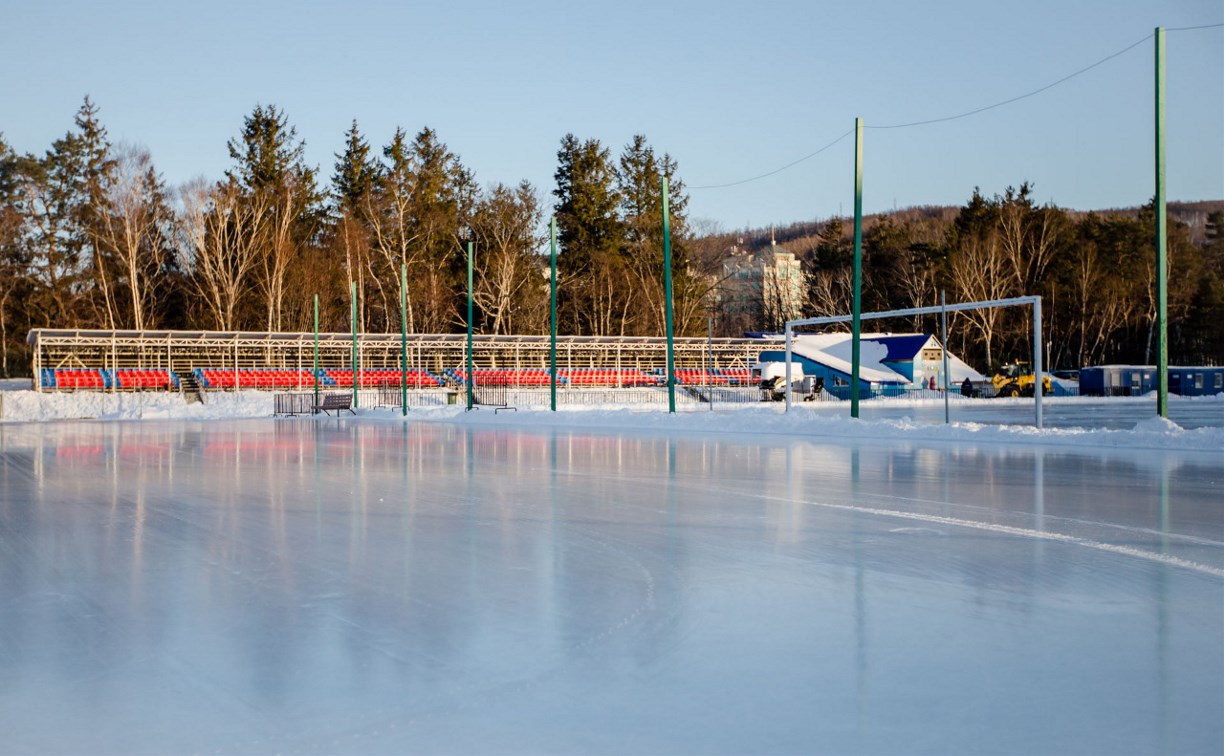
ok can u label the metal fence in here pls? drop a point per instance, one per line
(293, 404)
(687, 396)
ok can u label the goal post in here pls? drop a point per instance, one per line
(1033, 301)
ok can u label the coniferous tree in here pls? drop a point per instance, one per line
(14, 282)
(592, 275)
(356, 174)
(46, 201)
(423, 199)
(96, 165)
(270, 171)
(639, 186)
(355, 180)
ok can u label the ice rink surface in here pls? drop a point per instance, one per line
(349, 586)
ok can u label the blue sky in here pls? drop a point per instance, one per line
(731, 90)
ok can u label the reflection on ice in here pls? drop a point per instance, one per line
(345, 586)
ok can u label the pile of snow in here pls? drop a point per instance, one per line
(1151, 433)
(32, 405)
(1155, 433)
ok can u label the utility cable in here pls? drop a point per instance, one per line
(966, 114)
(1191, 28)
(1017, 98)
(778, 170)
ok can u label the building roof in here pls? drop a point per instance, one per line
(833, 350)
(902, 346)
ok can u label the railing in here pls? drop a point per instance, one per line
(293, 404)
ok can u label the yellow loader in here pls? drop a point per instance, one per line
(1016, 379)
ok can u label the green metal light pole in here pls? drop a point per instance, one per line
(404, 339)
(1162, 269)
(552, 344)
(316, 351)
(470, 377)
(353, 296)
(857, 309)
(667, 293)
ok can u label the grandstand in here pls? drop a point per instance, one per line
(97, 360)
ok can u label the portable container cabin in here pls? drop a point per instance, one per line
(1136, 380)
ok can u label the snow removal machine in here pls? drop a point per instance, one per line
(771, 378)
(1017, 379)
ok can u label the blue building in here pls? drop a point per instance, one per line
(888, 361)
(1136, 380)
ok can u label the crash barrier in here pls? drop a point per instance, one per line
(293, 404)
(305, 403)
(492, 395)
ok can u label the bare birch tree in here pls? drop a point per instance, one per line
(221, 232)
(979, 272)
(134, 228)
(508, 281)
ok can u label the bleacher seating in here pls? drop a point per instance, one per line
(503, 377)
(381, 378)
(611, 377)
(740, 376)
(137, 378)
(717, 377)
(602, 377)
(701, 377)
(72, 379)
(79, 378)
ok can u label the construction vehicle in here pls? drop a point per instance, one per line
(1016, 379)
(771, 378)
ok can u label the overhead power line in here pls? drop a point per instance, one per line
(1017, 98)
(966, 114)
(778, 170)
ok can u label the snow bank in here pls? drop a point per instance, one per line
(1154, 433)
(1150, 433)
(31, 405)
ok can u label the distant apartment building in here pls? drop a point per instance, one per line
(762, 289)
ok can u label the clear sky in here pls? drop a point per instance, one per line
(731, 89)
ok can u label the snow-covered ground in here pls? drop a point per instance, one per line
(1194, 423)
(610, 582)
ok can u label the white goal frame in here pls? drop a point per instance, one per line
(1034, 301)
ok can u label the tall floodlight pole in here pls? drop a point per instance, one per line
(710, 355)
(316, 351)
(353, 296)
(404, 339)
(667, 293)
(552, 298)
(943, 316)
(470, 376)
(1162, 303)
(857, 309)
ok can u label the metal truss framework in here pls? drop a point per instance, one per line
(182, 351)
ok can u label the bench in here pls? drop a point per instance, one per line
(336, 402)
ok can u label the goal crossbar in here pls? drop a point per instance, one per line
(1034, 301)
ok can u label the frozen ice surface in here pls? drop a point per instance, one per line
(354, 586)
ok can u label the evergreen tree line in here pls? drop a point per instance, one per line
(92, 237)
